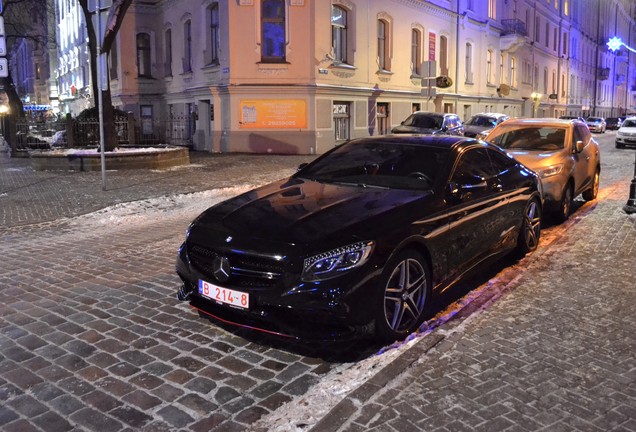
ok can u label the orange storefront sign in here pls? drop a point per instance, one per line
(273, 114)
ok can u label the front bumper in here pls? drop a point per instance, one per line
(336, 309)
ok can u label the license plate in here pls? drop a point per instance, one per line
(224, 295)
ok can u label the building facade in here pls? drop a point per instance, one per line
(300, 76)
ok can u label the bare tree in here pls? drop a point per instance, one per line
(115, 18)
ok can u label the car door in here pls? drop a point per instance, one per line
(586, 161)
(477, 211)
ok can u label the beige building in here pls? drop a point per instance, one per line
(300, 76)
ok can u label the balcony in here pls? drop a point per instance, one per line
(513, 35)
(603, 74)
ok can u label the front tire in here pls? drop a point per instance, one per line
(530, 232)
(592, 192)
(565, 207)
(405, 296)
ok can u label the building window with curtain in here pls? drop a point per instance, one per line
(187, 46)
(214, 41)
(143, 55)
(339, 34)
(384, 62)
(273, 31)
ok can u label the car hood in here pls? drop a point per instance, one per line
(413, 129)
(297, 211)
(628, 130)
(538, 159)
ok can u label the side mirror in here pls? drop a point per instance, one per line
(579, 146)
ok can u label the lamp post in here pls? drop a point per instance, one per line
(536, 99)
(614, 45)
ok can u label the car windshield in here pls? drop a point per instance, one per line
(482, 121)
(543, 138)
(373, 164)
(629, 123)
(424, 121)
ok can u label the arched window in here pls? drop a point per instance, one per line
(469, 63)
(273, 38)
(187, 46)
(416, 52)
(143, 55)
(384, 39)
(489, 66)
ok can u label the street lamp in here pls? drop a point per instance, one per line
(614, 45)
(536, 99)
(4, 110)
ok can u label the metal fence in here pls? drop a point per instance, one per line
(33, 135)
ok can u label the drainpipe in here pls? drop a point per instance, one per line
(598, 30)
(457, 58)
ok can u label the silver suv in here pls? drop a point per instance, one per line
(562, 152)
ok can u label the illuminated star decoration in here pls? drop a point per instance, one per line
(615, 43)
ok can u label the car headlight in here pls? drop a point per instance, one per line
(619, 133)
(550, 171)
(330, 264)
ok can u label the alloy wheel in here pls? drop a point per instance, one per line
(405, 295)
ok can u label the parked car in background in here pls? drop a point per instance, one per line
(562, 152)
(626, 134)
(572, 118)
(481, 122)
(423, 122)
(361, 239)
(596, 124)
(613, 123)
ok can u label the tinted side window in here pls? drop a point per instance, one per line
(581, 133)
(473, 165)
(501, 163)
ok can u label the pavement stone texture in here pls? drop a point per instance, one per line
(92, 338)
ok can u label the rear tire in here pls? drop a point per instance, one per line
(404, 296)
(565, 207)
(592, 192)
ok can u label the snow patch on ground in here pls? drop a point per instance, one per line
(96, 151)
(177, 205)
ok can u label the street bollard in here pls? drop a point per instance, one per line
(630, 207)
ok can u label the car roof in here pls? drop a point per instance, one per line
(440, 141)
(490, 114)
(540, 122)
(434, 114)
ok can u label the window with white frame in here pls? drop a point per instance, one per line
(341, 121)
(501, 68)
(143, 55)
(384, 43)
(168, 48)
(443, 55)
(273, 38)
(214, 43)
(489, 66)
(469, 63)
(416, 52)
(339, 45)
(492, 9)
(513, 72)
(187, 46)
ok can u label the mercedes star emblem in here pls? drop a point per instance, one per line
(221, 268)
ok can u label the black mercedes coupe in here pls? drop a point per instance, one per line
(360, 240)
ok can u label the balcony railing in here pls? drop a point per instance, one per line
(603, 74)
(513, 26)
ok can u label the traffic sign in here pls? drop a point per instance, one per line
(3, 46)
(4, 68)
(1, 25)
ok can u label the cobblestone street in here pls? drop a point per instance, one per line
(92, 337)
